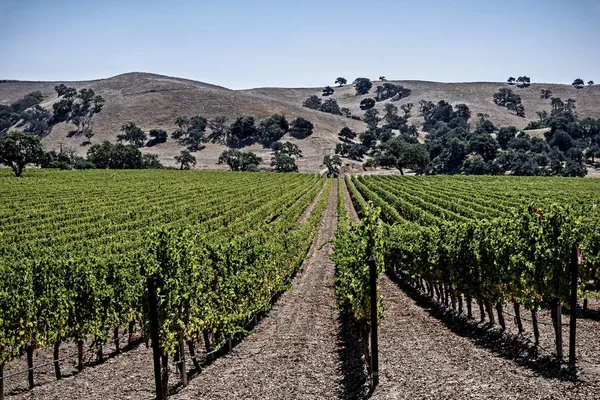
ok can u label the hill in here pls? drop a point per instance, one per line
(154, 101)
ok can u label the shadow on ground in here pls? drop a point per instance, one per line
(354, 382)
(512, 347)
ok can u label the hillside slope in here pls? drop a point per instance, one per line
(154, 102)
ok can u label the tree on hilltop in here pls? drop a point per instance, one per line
(590, 83)
(341, 81)
(511, 80)
(362, 85)
(328, 91)
(578, 83)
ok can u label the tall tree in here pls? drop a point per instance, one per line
(402, 155)
(19, 149)
(333, 164)
(131, 133)
(185, 159)
(239, 160)
(301, 128)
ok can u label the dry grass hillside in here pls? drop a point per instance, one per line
(155, 101)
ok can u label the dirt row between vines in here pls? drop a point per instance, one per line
(294, 352)
(426, 354)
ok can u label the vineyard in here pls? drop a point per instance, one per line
(77, 253)
(96, 263)
(490, 240)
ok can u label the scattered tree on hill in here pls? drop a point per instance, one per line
(507, 98)
(401, 155)
(505, 135)
(19, 149)
(240, 160)
(158, 136)
(371, 118)
(220, 130)
(406, 109)
(347, 133)
(367, 103)
(60, 89)
(333, 164)
(578, 83)
(391, 91)
(346, 112)
(183, 123)
(382, 78)
(328, 91)
(425, 106)
(185, 159)
(70, 93)
(362, 85)
(545, 94)
(341, 81)
(523, 81)
(89, 134)
(242, 130)
(511, 80)
(390, 110)
(330, 106)
(517, 108)
(590, 83)
(284, 157)
(354, 151)
(131, 133)
(462, 111)
(301, 128)
(272, 129)
(313, 102)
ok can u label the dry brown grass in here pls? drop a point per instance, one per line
(155, 101)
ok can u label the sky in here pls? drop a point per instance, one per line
(243, 44)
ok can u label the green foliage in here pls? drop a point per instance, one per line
(402, 155)
(117, 156)
(185, 159)
(333, 164)
(347, 133)
(158, 136)
(243, 130)
(328, 91)
(19, 149)
(133, 134)
(313, 102)
(362, 86)
(330, 106)
(367, 103)
(578, 83)
(301, 128)
(341, 81)
(239, 160)
(354, 245)
(284, 157)
(391, 91)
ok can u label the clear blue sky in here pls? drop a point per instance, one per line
(242, 44)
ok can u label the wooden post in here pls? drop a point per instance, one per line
(374, 344)
(184, 379)
(56, 359)
(152, 307)
(469, 308)
(559, 338)
(536, 331)
(79, 353)
(481, 311)
(30, 366)
(517, 308)
(193, 355)
(130, 331)
(573, 316)
(116, 340)
(207, 345)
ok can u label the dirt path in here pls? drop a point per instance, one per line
(293, 353)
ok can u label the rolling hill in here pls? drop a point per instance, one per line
(154, 102)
